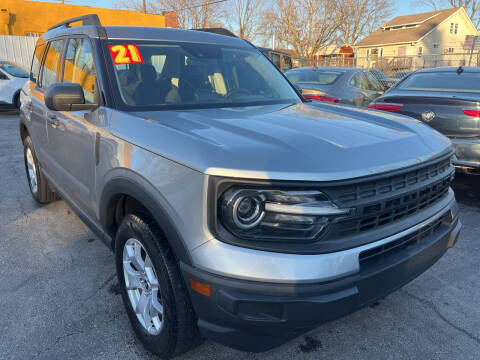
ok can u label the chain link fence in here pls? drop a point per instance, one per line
(391, 65)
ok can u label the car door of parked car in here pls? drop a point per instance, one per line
(71, 136)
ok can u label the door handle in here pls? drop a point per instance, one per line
(52, 120)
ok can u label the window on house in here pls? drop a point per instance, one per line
(450, 50)
(456, 29)
(381, 52)
(435, 46)
(420, 51)
(451, 27)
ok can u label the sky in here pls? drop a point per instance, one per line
(403, 7)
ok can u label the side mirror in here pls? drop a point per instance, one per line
(66, 97)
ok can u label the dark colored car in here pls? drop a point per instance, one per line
(386, 81)
(336, 84)
(280, 59)
(447, 99)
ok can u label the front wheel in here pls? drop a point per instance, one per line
(152, 288)
(39, 187)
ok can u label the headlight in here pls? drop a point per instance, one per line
(267, 214)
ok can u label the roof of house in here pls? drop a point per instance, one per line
(424, 23)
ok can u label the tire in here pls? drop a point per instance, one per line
(39, 188)
(177, 332)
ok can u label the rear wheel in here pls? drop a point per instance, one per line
(152, 288)
(39, 187)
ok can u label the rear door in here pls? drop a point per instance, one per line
(72, 136)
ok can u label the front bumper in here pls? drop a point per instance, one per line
(257, 316)
(467, 153)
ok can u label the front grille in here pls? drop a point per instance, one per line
(379, 253)
(389, 199)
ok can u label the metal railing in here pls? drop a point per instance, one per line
(392, 64)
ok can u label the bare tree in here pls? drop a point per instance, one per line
(304, 25)
(244, 17)
(471, 6)
(358, 18)
(191, 14)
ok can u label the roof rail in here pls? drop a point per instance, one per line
(219, 31)
(90, 19)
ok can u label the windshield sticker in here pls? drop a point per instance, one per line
(125, 54)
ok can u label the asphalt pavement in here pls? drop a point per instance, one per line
(59, 292)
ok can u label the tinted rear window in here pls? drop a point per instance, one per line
(442, 81)
(314, 77)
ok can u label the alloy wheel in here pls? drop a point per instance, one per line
(142, 286)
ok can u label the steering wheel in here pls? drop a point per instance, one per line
(238, 92)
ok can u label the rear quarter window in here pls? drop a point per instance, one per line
(442, 82)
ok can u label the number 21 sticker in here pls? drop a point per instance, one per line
(125, 54)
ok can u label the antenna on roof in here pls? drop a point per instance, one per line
(459, 70)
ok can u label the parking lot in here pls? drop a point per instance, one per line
(59, 293)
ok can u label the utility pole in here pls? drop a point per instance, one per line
(144, 6)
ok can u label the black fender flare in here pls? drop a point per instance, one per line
(144, 192)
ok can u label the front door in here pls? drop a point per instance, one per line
(71, 135)
(40, 114)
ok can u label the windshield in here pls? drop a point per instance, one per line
(442, 81)
(188, 75)
(319, 77)
(13, 70)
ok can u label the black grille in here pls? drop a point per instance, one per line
(370, 189)
(386, 200)
(379, 253)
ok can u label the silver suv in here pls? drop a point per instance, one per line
(236, 209)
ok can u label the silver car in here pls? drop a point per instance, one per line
(237, 210)
(336, 84)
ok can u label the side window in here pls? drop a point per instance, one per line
(51, 63)
(287, 63)
(373, 83)
(359, 81)
(79, 67)
(36, 62)
(275, 59)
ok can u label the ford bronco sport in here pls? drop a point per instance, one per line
(237, 210)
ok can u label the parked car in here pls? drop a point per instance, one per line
(382, 78)
(236, 209)
(12, 78)
(281, 59)
(447, 99)
(336, 84)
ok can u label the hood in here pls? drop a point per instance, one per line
(310, 142)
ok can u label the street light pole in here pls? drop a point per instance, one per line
(144, 6)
